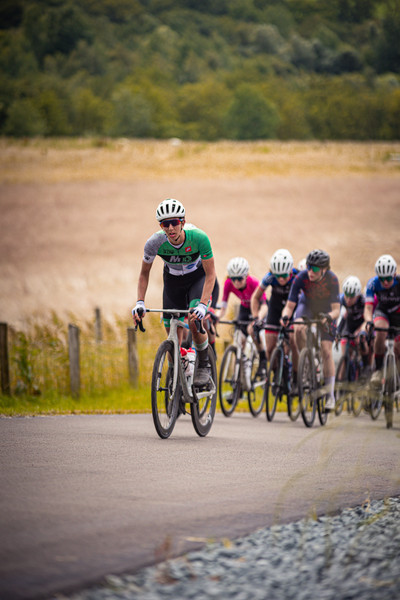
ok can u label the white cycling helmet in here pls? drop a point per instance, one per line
(385, 266)
(281, 262)
(302, 264)
(170, 209)
(352, 286)
(238, 267)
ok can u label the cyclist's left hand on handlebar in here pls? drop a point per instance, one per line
(326, 317)
(200, 311)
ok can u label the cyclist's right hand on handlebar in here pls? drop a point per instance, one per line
(138, 311)
(285, 321)
(369, 327)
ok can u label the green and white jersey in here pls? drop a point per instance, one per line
(183, 259)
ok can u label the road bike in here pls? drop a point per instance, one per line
(238, 373)
(350, 383)
(279, 378)
(312, 393)
(389, 392)
(172, 388)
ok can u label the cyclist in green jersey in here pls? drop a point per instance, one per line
(189, 275)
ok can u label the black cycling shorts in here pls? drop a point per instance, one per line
(392, 318)
(182, 290)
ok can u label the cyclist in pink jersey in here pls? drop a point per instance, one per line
(242, 285)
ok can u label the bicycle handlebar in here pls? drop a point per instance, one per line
(171, 311)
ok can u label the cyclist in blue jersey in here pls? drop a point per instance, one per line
(189, 275)
(351, 318)
(385, 286)
(320, 288)
(279, 279)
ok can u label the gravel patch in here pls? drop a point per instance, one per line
(355, 554)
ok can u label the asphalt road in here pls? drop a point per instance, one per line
(85, 496)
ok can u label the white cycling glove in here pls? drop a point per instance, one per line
(200, 311)
(139, 304)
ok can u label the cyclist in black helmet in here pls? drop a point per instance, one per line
(320, 288)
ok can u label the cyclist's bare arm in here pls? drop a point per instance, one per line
(255, 301)
(368, 312)
(209, 268)
(288, 309)
(335, 310)
(222, 312)
(143, 283)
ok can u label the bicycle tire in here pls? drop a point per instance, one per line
(390, 388)
(164, 404)
(229, 389)
(255, 396)
(273, 384)
(340, 384)
(322, 414)
(357, 400)
(306, 387)
(203, 409)
(294, 406)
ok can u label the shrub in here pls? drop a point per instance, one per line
(251, 116)
(24, 119)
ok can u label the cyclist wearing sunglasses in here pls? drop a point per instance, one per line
(279, 279)
(189, 275)
(385, 286)
(351, 319)
(242, 285)
(320, 288)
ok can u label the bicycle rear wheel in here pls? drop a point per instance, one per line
(205, 401)
(273, 388)
(341, 384)
(164, 402)
(255, 395)
(306, 387)
(229, 382)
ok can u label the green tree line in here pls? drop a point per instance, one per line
(201, 69)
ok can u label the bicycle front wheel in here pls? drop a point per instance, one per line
(256, 394)
(306, 387)
(229, 381)
(390, 388)
(341, 385)
(322, 414)
(274, 381)
(205, 401)
(164, 401)
(357, 400)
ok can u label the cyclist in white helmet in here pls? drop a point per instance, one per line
(189, 275)
(351, 318)
(279, 279)
(385, 286)
(302, 265)
(242, 285)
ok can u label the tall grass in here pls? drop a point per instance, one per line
(39, 367)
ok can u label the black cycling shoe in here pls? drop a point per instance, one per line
(262, 369)
(202, 376)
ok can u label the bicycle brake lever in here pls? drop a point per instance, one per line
(199, 327)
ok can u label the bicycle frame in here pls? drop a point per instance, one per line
(390, 355)
(187, 389)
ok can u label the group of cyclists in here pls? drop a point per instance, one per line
(310, 290)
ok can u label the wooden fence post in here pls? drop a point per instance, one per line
(98, 325)
(74, 368)
(5, 368)
(133, 360)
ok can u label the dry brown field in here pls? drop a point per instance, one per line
(75, 214)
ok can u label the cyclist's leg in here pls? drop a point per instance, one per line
(329, 368)
(381, 320)
(200, 340)
(174, 296)
(302, 310)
